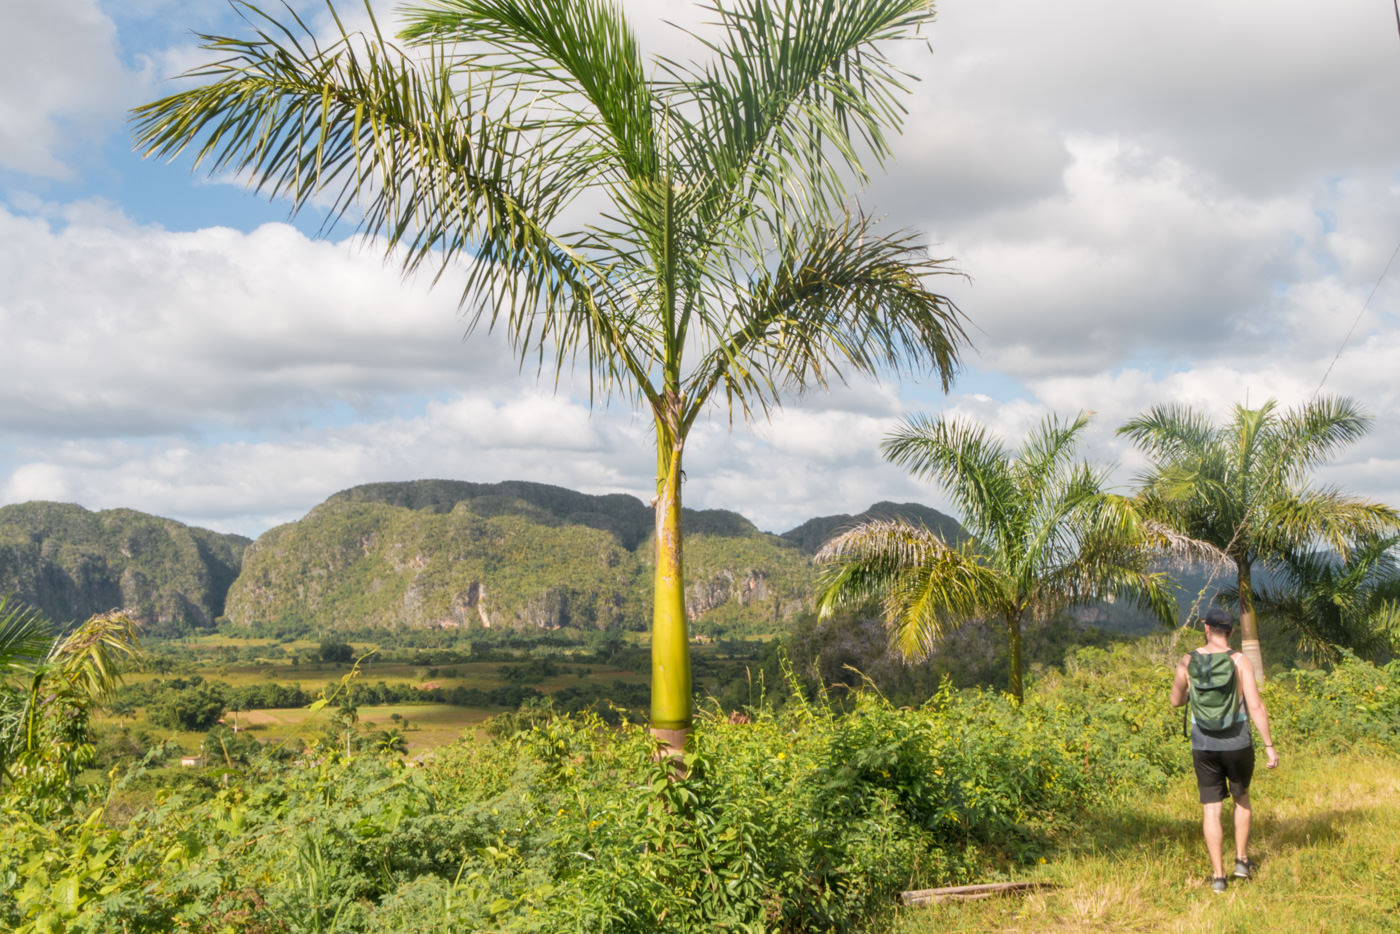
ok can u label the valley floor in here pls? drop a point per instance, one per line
(1326, 836)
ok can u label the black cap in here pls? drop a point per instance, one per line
(1219, 618)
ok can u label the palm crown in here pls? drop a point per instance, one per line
(1244, 486)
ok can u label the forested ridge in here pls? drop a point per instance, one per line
(72, 563)
(425, 553)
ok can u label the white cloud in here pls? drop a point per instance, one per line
(61, 82)
(124, 329)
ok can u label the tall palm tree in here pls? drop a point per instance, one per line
(1045, 536)
(1245, 487)
(682, 229)
(1330, 604)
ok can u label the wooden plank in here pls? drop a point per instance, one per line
(970, 892)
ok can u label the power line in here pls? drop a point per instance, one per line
(1374, 288)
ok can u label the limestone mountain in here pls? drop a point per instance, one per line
(812, 534)
(446, 553)
(426, 553)
(71, 563)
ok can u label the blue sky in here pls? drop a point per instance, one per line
(1188, 204)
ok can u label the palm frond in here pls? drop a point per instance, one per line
(440, 175)
(1323, 515)
(564, 50)
(969, 463)
(793, 93)
(1310, 434)
(25, 636)
(90, 657)
(848, 300)
(1170, 432)
(924, 586)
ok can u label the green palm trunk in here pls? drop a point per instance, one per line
(670, 641)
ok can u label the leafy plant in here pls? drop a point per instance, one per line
(1244, 486)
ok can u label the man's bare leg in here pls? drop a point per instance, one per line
(1215, 838)
(1242, 819)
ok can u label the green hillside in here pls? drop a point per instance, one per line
(812, 534)
(452, 554)
(421, 554)
(71, 563)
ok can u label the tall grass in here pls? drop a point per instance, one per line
(1326, 836)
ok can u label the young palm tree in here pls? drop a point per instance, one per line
(1330, 604)
(1244, 486)
(1045, 536)
(683, 229)
(52, 685)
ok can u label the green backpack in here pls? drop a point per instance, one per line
(1215, 694)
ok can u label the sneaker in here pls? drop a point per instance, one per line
(1218, 884)
(1244, 869)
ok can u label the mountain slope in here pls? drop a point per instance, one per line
(447, 553)
(71, 563)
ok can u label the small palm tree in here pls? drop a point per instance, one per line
(47, 694)
(1244, 487)
(683, 230)
(1330, 604)
(1045, 536)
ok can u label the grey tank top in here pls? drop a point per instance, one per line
(1235, 736)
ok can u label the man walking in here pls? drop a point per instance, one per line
(1219, 684)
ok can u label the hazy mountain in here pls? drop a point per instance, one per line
(71, 563)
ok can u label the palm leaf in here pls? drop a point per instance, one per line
(924, 586)
(565, 50)
(25, 636)
(792, 94)
(849, 300)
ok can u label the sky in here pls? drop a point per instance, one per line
(1194, 203)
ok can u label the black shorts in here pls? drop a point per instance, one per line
(1214, 767)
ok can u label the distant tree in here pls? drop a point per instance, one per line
(192, 709)
(336, 653)
(724, 262)
(222, 745)
(1045, 536)
(1244, 487)
(391, 742)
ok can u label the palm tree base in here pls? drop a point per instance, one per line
(671, 745)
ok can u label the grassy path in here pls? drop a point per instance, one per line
(1326, 835)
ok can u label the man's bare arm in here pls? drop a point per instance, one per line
(1180, 683)
(1255, 705)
